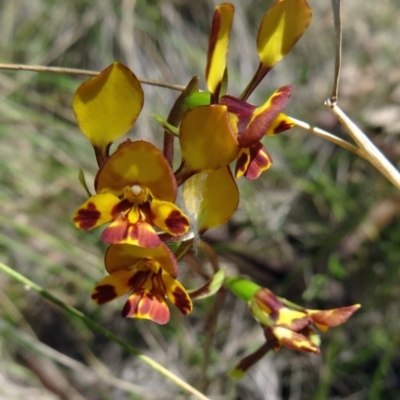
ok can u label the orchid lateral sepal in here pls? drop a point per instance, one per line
(82, 181)
(209, 288)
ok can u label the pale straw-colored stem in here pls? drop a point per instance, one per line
(328, 136)
(370, 151)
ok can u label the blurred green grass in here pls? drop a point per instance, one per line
(320, 227)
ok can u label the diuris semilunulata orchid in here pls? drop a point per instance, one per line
(150, 275)
(135, 190)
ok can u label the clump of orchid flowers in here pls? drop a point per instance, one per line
(148, 208)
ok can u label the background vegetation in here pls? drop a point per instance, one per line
(321, 227)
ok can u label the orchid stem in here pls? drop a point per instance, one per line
(97, 327)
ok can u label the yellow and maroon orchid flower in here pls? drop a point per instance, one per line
(136, 190)
(107, 106)
(291, 327)
(150, 275)
(284, 323)
(251, 124)
(280, 29)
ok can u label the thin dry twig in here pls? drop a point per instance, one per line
(328, 136)
(371, 152)
(74, 71)
(368, 150)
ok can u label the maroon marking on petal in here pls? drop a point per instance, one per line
(130, 307)
(104, 294)
(260, 161)
(116, 233)
(298, 324)
(257, 128)
(241, 163)
(121, 207)
(138, 279)
(266, 297)
(87, 217)
(240, 108)
(182, 301)
(283, 126)
(271, 338)
(177, 222)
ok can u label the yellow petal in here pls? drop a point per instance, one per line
(138, 163)
(292, 319)
(294, 340)
(168, 217)
(123, 256)
(98, 210)
(112, 286)
(252, 161)
(177, 294)
(280, 124)
(243, 162)
(207, 141)
(263, 116)
(107, 105)
(218, 46)
(210, 198)
(282, 26)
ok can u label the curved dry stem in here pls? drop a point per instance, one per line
(330, 137)
(370, 151)
(74, 71)
(98, 328)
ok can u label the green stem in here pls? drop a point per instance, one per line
(97, 327)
